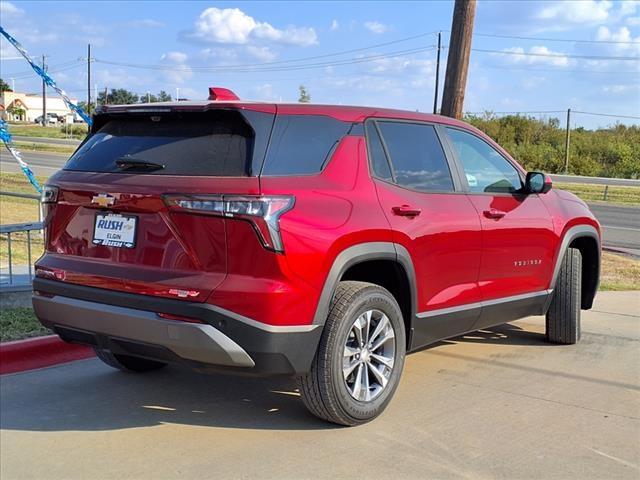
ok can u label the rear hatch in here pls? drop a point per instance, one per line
(111, 225)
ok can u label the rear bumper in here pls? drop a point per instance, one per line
(128, 324)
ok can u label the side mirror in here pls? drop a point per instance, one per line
(537, 182)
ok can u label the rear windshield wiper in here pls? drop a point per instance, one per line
(130, 163)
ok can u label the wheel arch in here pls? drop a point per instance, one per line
(383, 263)
(586, 239)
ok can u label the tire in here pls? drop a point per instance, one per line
(563, 316)
(127, 363)
(326, 390)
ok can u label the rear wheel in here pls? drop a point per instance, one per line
(128, 363)
(358, 364)
(563, 317)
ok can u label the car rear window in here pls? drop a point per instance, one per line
(302, 144)
(215, 143)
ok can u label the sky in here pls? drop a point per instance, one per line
(528, 56)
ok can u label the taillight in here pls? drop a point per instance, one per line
(49, 194)
(263, 212)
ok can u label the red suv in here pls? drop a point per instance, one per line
(322, 242)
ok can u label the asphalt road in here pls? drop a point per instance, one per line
(621, 225)
(595, 180)
(500, 403)
(43, 164)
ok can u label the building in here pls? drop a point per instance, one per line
(26, 107)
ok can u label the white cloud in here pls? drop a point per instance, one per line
(376, 27)
(621, 89)
(180, 72)
(628, 7)
(536, 55)
(234, 55)
(8, 8)
(233, 26)
(263, 53)
(265, 93)
(622, 35)
(577, 11)
(145, 23)
(335, 25)
(633, 21)
(177, 57)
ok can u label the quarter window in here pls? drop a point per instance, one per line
(302, 144)
(378, 158)
(417, 157)
(486, 170)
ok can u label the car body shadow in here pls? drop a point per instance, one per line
(89, 396)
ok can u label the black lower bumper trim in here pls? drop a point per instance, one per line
(274, 353)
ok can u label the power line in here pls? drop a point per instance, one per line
(260, 68)
(606, 115)
(515, 113)
(566, 40)
(30, 72)
(558, 70)
(556, 55)
(542, 112)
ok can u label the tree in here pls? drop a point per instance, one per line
(164, 96)
(160, 97)
(118, 96)
(305, 97)
(4, 86)
(17, 112)
(87, 108)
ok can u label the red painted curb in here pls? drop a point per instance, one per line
(39, 352)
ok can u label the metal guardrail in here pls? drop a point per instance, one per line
(17, 228)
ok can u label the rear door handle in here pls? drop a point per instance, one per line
(406, 211)
(494, 213)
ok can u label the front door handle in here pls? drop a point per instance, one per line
(406, 211)
(494, 213)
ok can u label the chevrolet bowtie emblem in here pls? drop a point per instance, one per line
(103, 200)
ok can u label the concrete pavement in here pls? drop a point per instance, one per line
(500, 403)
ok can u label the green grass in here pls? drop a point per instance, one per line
(18, 210)
(47, 132)
(44, 147)
(18, 323)
(619, 272)
(622, 195)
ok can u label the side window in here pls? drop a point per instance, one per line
(417, 157)
(302, 144)
(377, 157)
(485, 168)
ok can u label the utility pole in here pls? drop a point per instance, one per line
(177, 94)
(106, 95)
(455, 80)
(44, 95)
(566, 143)
(148, 97)
(89, 78)
(435, 95)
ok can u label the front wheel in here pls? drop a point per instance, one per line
(563, 316)
(361, 354)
